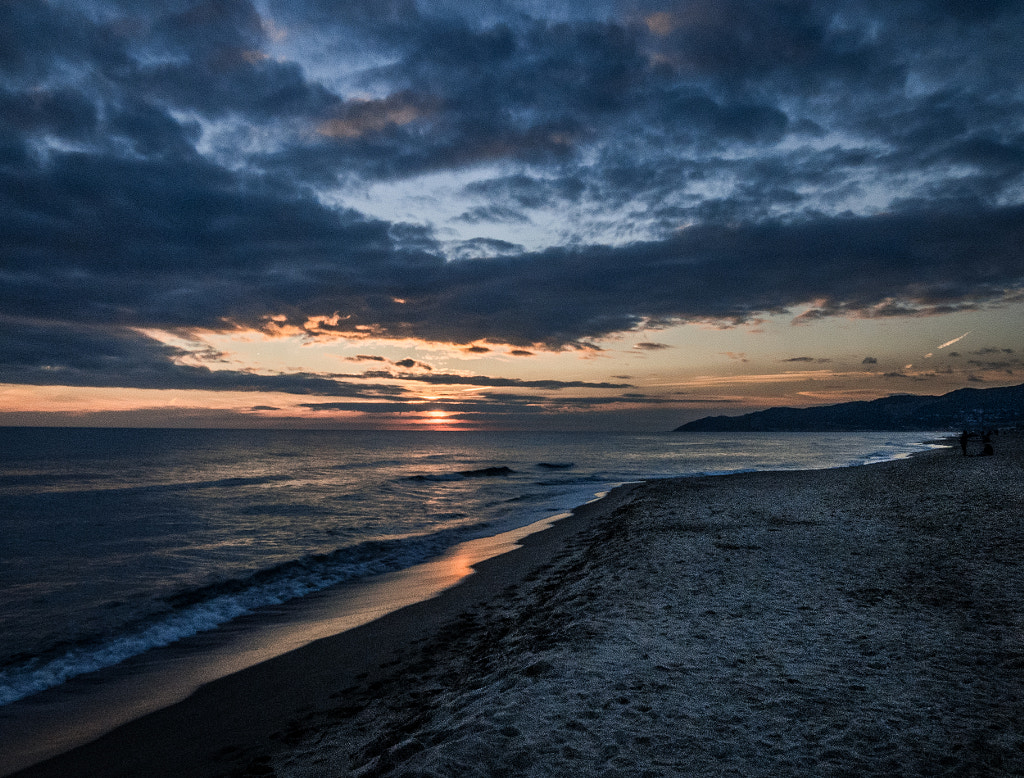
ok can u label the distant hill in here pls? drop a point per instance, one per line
(962, 409)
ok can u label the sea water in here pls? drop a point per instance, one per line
(118, 541)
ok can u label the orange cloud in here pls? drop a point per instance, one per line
(660, 23)
(365, 117)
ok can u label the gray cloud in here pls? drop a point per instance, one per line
(494, 213)
(449, 379)
(480, 248)
(44, 354)
(497, 405)
(409, 363)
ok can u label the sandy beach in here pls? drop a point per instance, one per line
(860, 621)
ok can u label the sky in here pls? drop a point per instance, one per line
(504, 214)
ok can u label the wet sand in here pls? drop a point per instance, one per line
(862, 621)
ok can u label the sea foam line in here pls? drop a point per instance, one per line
(295, 580)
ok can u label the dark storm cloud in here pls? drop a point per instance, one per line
(105, 239)
(854, 266)
(189, 245)
(38, 36)
(60, 111)
(48, 354)
(237, 82)
(475, 94)
(160, 166)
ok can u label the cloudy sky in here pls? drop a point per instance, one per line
(504, 213)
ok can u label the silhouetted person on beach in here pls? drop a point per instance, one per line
(964, 437)
(986, 440)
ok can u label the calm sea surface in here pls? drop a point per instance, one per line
(118, 541)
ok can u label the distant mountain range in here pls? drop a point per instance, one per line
(962, 409)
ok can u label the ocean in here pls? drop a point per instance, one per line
(119, 541)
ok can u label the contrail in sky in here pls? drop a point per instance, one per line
(955, 340)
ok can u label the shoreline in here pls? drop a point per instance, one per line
(855, 621)
(385, 612)
(85, 708)
(252, 718)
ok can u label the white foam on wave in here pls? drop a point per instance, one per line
(37, 675)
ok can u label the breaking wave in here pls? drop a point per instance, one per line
(201, 609)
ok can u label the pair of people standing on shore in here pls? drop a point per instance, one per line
(986, 441)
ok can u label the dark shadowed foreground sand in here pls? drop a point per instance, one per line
(864, 621)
